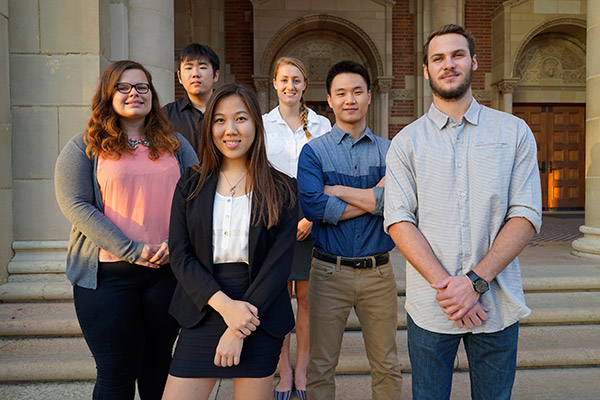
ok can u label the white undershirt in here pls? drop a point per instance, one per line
(231, 223)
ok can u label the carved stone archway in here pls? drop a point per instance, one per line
(321, 40)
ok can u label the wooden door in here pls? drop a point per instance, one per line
(560, 135)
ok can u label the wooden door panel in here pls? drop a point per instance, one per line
(560, 136)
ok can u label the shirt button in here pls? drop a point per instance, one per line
(462, 194)
(228, 200)
(459, 165)
(225, 233)
(356, 167)
(358, 236)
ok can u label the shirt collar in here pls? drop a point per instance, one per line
(185, 102)
(440, 119)
(339, 135)
(275, 116)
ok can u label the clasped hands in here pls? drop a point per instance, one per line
(241, 318)
(154, 255)
(456, 297)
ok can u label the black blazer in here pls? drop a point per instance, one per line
(190, 246)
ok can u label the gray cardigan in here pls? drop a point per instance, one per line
(78, 196)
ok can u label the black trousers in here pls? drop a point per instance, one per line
(126, 324)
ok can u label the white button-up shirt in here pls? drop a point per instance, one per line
(231, 228)
(459, 182)
(283, 145)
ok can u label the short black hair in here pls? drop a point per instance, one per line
(347, 66)
(444, 30)
(196, 51)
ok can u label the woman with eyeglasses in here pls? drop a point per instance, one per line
(115, 183)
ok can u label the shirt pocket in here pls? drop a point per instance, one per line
(275, 143)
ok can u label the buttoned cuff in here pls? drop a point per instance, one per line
(529, 214)
(333, 210)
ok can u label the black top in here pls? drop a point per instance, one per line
(187, 119)
(270, 253)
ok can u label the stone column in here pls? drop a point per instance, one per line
(589, 244)
(152, 42)
(384, 84)
(262, 84)
(57, 50)
(431, 14)
(506, 87)
(6, 186)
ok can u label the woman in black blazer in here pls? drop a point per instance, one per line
(232, 236)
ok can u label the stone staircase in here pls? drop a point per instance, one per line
(43, 356)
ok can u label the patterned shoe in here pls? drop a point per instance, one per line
(301, 394)
(287, 395)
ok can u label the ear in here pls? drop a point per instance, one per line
(425, 72)
(179, 77)
(216, 77)
(329, 101)
(274, 84)
(474, 62)
(369, 94)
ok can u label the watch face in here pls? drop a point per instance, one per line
(481, 286)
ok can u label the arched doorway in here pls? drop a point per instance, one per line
(320, 41)
(550, 97)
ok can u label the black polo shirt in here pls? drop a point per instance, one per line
(187, 119)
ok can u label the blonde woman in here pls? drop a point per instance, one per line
(288, 127)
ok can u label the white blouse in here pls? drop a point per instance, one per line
(283, 145)
(231, 225)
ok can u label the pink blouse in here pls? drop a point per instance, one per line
(137, 194)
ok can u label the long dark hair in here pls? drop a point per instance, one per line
(105, 134)
(271, 190)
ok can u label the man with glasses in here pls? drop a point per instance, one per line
(197, 71)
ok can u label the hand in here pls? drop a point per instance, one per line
(148, 252)
(162, 254)
(241, 317)
(474, 317)
(304, 228)
(456, 296)
(229, 349)
(381, 183)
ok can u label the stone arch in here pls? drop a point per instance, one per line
(320, 40)
(325, 24)
(570, 31)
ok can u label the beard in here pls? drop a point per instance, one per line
(454, 93)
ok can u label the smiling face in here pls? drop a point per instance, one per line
(289, 84)
(233, 130)
(450, 66)
(197, 76)
(349, 100)
(132, 106)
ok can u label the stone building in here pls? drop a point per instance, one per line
(532, 54)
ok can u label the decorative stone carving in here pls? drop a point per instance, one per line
(552, 60)
(261, 82)
(402, 94)
(384, 83)
(334, 25)
(482, 95)
(507, 85)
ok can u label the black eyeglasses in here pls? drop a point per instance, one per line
(124, 87)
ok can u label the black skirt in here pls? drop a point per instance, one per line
(195, 352)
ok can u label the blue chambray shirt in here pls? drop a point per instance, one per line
(335, 159)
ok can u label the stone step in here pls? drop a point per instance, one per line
(530, 384)
(58, 318)
(68, 358)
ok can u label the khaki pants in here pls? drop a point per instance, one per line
(332, 291)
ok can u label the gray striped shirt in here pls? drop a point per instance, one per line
(459, 183)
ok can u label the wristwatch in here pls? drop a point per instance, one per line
(480, 285)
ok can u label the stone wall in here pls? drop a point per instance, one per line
(6, 186)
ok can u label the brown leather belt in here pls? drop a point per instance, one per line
(354, 262)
